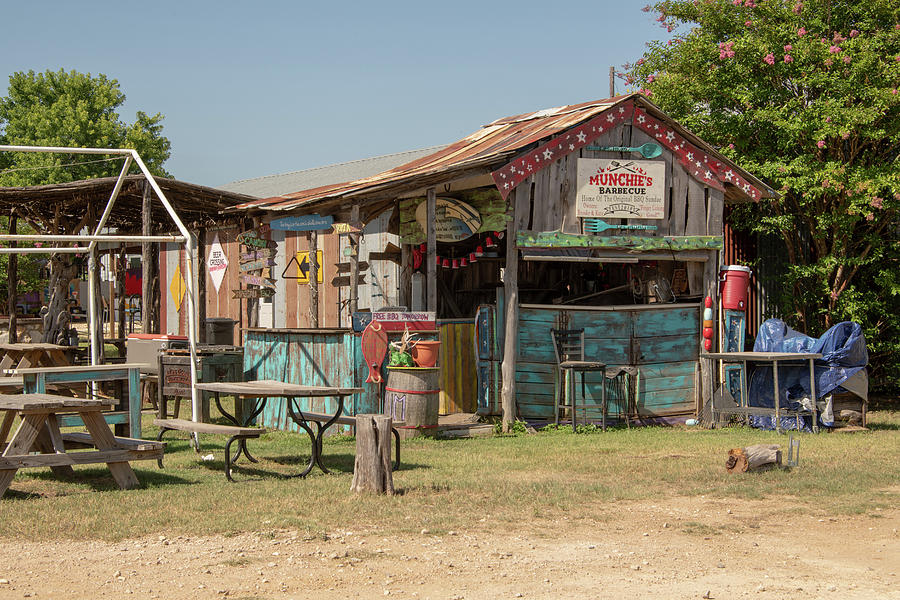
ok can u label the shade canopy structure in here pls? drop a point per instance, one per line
(80, 202)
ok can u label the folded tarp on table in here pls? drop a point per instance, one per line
(844, 359)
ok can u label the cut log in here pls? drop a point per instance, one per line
(753, 458)
(372, 469)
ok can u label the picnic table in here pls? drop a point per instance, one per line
(262, 390)
(36, 381)
(28, 355)
(39, 431)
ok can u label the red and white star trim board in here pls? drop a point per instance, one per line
(517, 170)
(698, 163)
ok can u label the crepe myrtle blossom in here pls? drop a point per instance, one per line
(801, 32)
(877, 202)
(788, 58)
(820, 143)
(725, 50)
(854, 33)
(770, 58)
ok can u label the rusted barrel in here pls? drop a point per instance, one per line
(412, 395)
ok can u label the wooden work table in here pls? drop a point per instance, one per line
(770, 358)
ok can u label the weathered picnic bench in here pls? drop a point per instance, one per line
(39, 431)
(233, 431)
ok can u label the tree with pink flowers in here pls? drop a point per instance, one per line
(803, 93)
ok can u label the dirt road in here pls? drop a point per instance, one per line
(687, 548)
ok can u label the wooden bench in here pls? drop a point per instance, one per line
(234, 432)
(319, 419)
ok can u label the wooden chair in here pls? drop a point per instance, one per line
(568, 344)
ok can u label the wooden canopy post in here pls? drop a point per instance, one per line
(201, 285)
(314, 279)
(354, 261)
(430, 265)
(12, 281)
(511, 297)
(147, 260)
(120, 296)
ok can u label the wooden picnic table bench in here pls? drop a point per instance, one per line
(234, 432)
(39, 431)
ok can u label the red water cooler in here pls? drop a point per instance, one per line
(734, 286)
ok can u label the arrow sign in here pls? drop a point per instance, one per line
(252, 293)
(257, 280)
(302, 223)
(256, 242)
(257, 254)
(257, 265)
(343, 228)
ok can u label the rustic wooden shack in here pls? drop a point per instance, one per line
(606, 216)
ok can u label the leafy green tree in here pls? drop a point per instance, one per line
(805, 94)
(69, 109)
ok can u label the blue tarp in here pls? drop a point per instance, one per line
(843, 350)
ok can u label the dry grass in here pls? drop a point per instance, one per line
(446, 484)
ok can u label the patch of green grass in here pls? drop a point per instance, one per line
(449, 484)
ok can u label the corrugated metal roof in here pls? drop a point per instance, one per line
(488, 148)
(285, 183)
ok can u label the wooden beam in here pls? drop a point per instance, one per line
(201, 285)
(147, 262)
(511, 319)
(354, 260)
(12, 282)
(430, 265)
(314, 280)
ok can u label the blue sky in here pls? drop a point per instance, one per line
(256, 88)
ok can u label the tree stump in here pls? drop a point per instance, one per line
(372, 469)
(753, 458)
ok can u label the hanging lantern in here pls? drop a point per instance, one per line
(463, 262)
(489, 242)
(472, 257)
(479, 251)
(499, 234)
(455, 263)
(438, 259)
(446, 263)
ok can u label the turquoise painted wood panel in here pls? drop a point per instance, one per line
(305, 358)
(670, 348)
(659, 384)
(609, 351)
(667, 402)
(601, 324)
(673, 369)
(681, 321)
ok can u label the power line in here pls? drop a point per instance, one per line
(74, 164)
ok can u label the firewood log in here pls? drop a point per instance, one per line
(752, 458)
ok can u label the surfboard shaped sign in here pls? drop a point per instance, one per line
(454, 220)
(312, 222)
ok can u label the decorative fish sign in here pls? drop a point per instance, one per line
(648, 150)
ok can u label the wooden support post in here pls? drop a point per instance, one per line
(372, 468)
(12, 282)
(404, 285)
(147, 261)
(314, 279)
(120, 296)
(511, 298)
(98, 303)
(354, 261)
(430, 266)
(201, 285)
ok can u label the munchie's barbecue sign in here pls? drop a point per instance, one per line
(621, 189)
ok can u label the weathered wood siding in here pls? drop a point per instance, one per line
(459, 387)
(310, 358)
(662, 341)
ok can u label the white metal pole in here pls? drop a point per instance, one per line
(189, 245)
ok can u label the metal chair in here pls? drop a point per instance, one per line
(568, 344)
